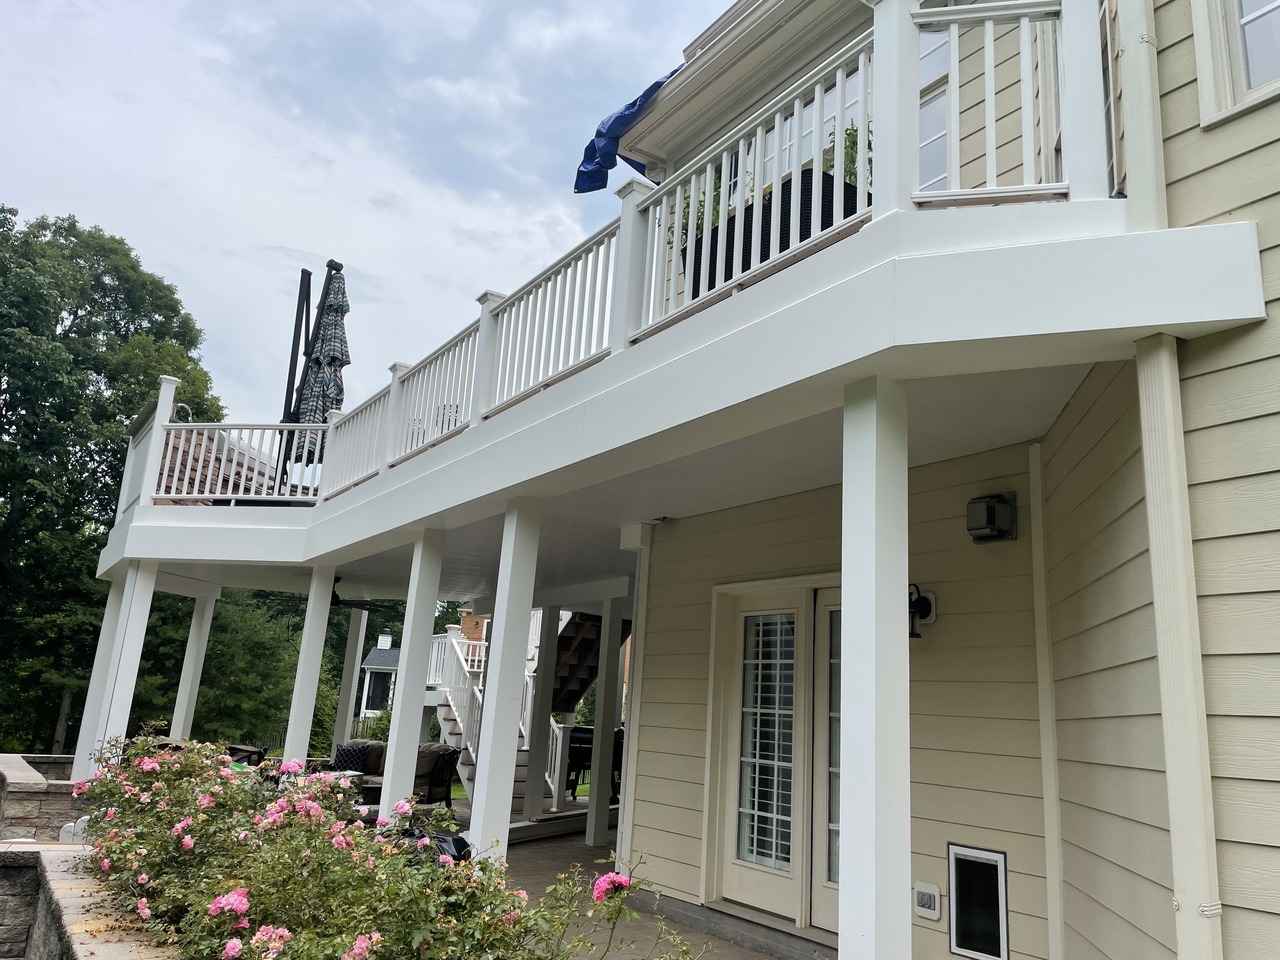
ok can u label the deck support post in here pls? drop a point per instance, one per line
(310, 657)
(415, 664)
(184, 706)
(1192, 840)
(606, 712)
(482, 390)
(126, 654)
(629, 264)
(544, 683)
(504, 686)
(87, 743)
(350, 670)
(875, 795)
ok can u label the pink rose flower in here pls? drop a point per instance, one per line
(382, 821)
(143, 878)
(181, 825)
(106, 866)
(403, 808)
(187, 842)
(144, 911)
(291, 766)
(607, 884)
(232, 949)
(447, 860)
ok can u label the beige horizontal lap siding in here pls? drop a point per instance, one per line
(1116, 865)
(975, 740)
(790, 536)
(1231, 413)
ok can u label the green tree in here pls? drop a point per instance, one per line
(85, 332)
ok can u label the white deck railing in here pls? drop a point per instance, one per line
(220, 462)
(461, 681)
(356, 444)
(795, 170)
(1016, 80)
(435, 396)
(557, 321)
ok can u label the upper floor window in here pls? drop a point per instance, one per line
(935, 59)
(1237, 55)
(1260, 41)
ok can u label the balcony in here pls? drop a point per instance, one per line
(986, 106)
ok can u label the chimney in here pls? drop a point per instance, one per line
(384, 640)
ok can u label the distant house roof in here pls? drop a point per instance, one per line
(379, 659)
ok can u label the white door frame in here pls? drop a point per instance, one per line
(729, 603)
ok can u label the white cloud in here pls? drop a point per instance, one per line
(133, 117)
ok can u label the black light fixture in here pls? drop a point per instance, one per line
(921, 606)
(992, 518)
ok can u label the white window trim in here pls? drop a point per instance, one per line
(1002, 878)
(1220, 67)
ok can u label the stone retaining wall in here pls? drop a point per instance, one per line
(52, 909)
(31, 806)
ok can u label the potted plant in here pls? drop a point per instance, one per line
(735, 265)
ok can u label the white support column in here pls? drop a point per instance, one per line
(184, 706)
(1198, 919)
(87, 743)
(544, 683)
(500, 716)
(482, 392)
(131, 631)
(895, 105)
(415, 663)
(606, 710)
(1084, 129)
(628, 264)
(637, 537)
(875, 796)
(310, 657)
(350, 670)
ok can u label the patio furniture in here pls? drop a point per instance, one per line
(432, 777)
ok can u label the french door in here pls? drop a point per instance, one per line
(779, 836)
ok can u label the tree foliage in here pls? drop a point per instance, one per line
(85, 332)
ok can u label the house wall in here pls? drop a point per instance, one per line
(975, 731)
(975, 734)
(1117, 872)
(1231, 413)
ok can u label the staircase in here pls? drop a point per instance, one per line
(577, 664)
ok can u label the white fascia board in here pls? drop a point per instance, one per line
(269, 535)
(721, 374)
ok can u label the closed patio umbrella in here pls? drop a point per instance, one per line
(321, 389)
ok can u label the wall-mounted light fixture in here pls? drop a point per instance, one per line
(923, 607)
(993, 518)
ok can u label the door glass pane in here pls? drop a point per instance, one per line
(833, 753)
(768, 706)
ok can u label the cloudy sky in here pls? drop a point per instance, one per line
(428, 145)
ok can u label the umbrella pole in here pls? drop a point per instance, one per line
(299, 318)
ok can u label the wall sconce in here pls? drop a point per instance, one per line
(923, 608)
(993, 518)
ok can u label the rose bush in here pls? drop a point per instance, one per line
(268, 863)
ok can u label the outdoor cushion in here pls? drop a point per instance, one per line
(375, 756)
(349, 756)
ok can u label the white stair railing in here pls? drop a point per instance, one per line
(462, 681)
(558, 763)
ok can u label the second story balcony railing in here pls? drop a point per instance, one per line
(983, 103)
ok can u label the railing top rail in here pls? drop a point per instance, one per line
(444, 348)
(859, 44)
(176, 426)
(998, 10)
(143, 418)
(588, 243)
(359, 407)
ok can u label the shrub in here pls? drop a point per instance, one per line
(266, 863)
